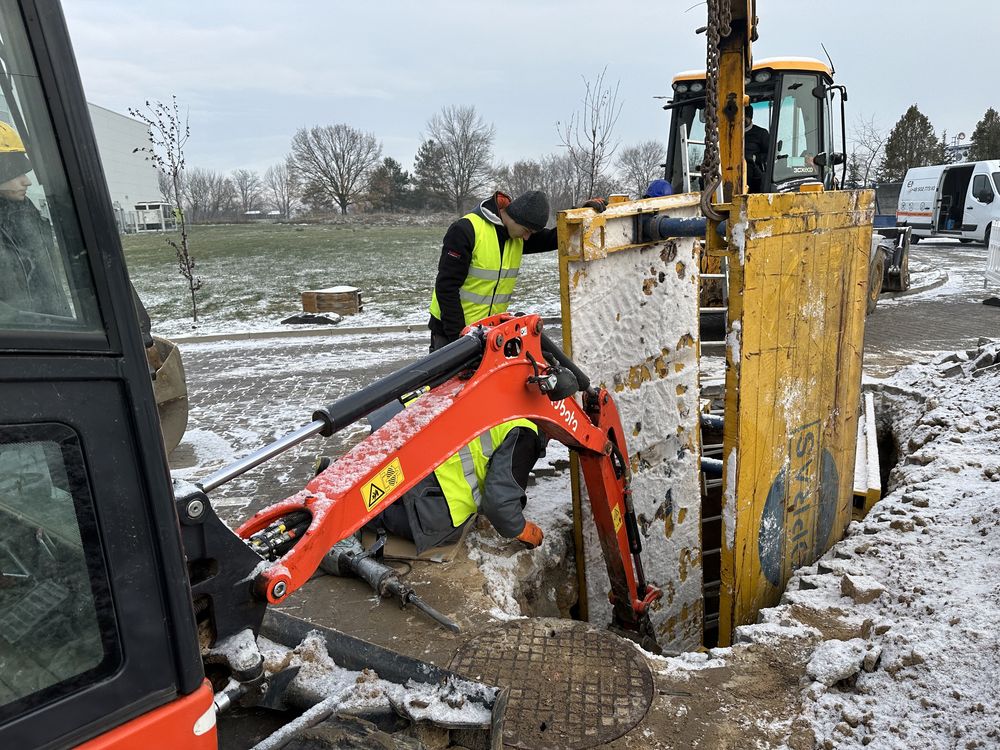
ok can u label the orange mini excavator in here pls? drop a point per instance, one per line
(129, 612)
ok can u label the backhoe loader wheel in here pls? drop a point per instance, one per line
(875, 276)
(904, 271)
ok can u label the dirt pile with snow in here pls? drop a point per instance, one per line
(919, 578)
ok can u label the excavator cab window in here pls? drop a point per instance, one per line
(46, 286)
(53, 633)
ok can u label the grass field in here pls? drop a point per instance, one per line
(252, 274)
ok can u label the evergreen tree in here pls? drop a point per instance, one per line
(911, 143)
(428, 177)
(387, 186)
(855, 172)
(986, 137)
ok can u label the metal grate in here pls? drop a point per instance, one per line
(572, 686)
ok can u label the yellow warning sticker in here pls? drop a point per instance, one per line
(616, 518)
(382, 484)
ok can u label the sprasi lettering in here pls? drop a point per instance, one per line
(804, 444)
(801, 497)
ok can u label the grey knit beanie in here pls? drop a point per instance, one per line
(530, 210)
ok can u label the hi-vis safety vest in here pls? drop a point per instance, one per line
(462, 477)
(488, 287)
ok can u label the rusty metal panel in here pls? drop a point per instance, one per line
(630, 320)
(797, 289)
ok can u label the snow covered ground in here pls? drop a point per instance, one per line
(919, 578)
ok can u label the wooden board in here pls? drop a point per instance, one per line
(344, 300)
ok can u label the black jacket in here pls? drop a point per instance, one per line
(456, 257)
(755, 143)
(31, 276)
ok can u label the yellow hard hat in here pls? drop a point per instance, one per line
(10, 141)
(13, 159)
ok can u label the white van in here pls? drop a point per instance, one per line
(951, 200)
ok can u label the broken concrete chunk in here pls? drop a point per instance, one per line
(983, 360)
(833, 661)
(952, 371)
(862, 589)
(871, 659)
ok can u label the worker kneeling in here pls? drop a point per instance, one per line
(488, 476)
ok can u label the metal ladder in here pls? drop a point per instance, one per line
(686, 160)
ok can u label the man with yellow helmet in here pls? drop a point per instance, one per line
(30, 281)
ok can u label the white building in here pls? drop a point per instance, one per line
(131, 178)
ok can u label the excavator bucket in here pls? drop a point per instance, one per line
(170, 390)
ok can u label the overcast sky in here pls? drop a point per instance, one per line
(251, 73)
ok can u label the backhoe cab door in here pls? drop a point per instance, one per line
(96, 623)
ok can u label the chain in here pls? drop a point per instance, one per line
(719, 18)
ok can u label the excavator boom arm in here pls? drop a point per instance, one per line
(510, 380)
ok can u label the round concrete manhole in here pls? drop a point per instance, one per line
(572, 686)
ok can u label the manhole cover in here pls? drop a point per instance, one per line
(571, 685)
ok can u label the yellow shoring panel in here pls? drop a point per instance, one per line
(793, 387)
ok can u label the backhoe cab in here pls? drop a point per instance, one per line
(792, 99)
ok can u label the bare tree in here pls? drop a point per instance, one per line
(337, 160)
(641, 164)
(210, 195)
(466, 144)
(249, 189)
(561, 181)
(519, 177)
(168, 134)
(869, 141)
(282, 188)
(588, 136)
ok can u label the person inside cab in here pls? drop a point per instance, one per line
(31, 281)
(755, 147)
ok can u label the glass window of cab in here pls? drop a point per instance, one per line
(46, 285)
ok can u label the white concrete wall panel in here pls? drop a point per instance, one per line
(632, 314)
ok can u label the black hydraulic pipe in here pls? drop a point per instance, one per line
(712, 467)
(550, 347)
(656, 228)
(439, 365)
(712, 421)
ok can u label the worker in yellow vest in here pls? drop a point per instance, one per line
(481, 258)
(487, 476)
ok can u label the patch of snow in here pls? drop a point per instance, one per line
(729, 501)
(834, 660)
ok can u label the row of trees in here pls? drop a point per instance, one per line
(337, 168)
(880, 156)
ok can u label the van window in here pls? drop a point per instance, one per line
(996, 180)
(982, 191)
